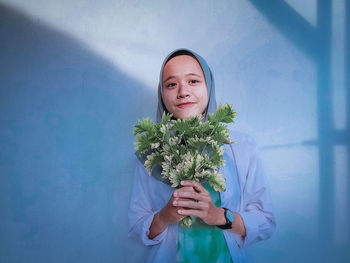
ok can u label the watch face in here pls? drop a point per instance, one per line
(229, 215)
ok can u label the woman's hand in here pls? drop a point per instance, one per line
(205, 207)
(195, 200)
(169, 214)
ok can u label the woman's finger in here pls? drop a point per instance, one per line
(191, 195)
(197, 186)
(183, 189)
(190, 212)
(191, 204)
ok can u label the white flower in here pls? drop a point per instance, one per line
(217, 181)
(148, 162)
(155, 145)
(221, 150)
(163, 129)
(166, 148)
(168, 158)
(174, 140)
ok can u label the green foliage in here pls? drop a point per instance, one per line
(217, 182)
(186, 149)
(145, 126)
(186, 222)
(153, 159)
(222, 114)
(166, 118)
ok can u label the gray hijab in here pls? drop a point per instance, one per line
(211, 107)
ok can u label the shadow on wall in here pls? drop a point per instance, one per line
(315, 42)
(66, 119)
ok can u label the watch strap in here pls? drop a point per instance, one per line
(229, 221)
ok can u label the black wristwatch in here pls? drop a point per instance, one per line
(229, 219)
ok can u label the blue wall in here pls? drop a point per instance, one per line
(70, 94)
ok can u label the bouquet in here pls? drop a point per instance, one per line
(186, 149)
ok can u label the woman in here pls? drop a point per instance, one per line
(225, 223)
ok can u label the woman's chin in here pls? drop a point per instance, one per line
(186, 115)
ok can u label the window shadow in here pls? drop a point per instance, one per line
(315, 42)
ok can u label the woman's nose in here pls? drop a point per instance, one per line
(183, 91)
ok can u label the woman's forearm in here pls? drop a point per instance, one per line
(158, 225)
(238, 225)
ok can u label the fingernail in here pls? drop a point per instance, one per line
(182, 182)
(174, 203)
(179, 211)
(175, 194)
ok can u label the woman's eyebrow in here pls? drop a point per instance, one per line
(189, 74)
(170, 77)
(193, 74)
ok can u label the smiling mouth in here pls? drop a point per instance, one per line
(185, 105)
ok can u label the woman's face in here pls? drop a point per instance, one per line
(185, 91)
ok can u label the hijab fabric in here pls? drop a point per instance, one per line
(211, 107)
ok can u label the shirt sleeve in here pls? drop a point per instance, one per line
(141, 212)
(257, 210)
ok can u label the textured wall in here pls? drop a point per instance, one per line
(75, 76)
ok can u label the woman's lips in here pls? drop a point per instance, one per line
(185, 105)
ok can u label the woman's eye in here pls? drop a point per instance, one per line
(170, 85)
(193, 81)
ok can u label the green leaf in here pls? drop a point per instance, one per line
(166, 117)
(221, 135)
(142, 143)
(217, 182)
(186, 222)
(181, 127)
(223, 114)
(153, 159)
(196, 143)
(146, 125)
(205, 129)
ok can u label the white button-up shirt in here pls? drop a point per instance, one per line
(247, 193)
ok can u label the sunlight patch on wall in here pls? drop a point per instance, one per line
(338, 64)
(119, 31)
(135, 36)
(307, 9)
(294, 179)
(342, 214)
